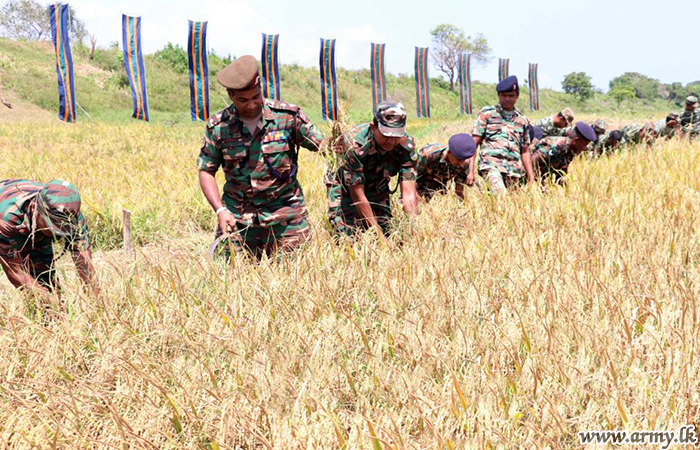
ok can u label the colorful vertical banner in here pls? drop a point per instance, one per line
(464, 77)
(422, 83)
(58, 14)
(378, 74)
(534, 87)
(199, 70)
(503, 66)
(133, 61)
(329, 81)
(271, 66)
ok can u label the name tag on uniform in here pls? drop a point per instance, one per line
(274, 136)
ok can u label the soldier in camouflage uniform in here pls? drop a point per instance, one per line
(558, 124)
(552, 155)
(607, 143)
(503, 134)
(599, 127)
(635, 134)
(368, 157)
(690, 118)
(668, 127)
(256, 141)
(439, 164)
(32, 216)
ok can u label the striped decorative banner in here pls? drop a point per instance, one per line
(503, 66)
(464, 77)
(133, 61)
(199, 70)
(329, 81)
(64, 61)
(534, 87)
(270, 66)
(422, 83)
(378, 75)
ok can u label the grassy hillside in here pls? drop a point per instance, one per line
(28, 69)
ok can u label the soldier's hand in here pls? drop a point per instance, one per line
(470, 179)
(227, 222)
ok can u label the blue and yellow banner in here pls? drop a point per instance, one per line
(464, 76)
(534, 86)
(64, 61)
(422, 83)
(329, 81)
(503, 68)
(199, 70)
(270, 66)
(378, 74)
(133, 61)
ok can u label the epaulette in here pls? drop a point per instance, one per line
(281, 106)
(217, 118)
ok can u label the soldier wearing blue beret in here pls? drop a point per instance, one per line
(438, 164)
(553, 154)
(503, 134)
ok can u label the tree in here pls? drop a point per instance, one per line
(578, 84)
(28, 20)
(449, 42)
(644, 87)
(621, 92)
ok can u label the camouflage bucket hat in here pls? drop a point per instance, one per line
(391, 118)
(59, 204)
(599, 127)
(568, 114)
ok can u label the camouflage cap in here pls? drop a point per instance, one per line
(599, 127)
(59, 205)
(391, 118)
(240, 75)
(672, 117)
(691, 100)
(568, 114)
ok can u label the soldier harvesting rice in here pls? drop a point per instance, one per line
(255, 140)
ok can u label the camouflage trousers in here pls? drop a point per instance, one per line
(344, 217)
(498, 181)
(258, 240)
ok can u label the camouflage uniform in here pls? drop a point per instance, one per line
(553, 155)
(663, 131)
(20, 241)
(690, 123)
(548, 128)
(435, 172)
(261, 190)
(632, 134)
(602, 145)
(361, 162)
(504, 135)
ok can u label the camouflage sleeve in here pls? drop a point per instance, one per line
(210, 158)
(408, 171)
(80, 242)
(480, 125)
(307, 135)
(353, 168)
(526, 133)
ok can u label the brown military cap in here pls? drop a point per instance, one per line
(240, 74)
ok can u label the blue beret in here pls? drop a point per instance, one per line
(535, 132)
(586, 131)
(462, 146)
(508, 84)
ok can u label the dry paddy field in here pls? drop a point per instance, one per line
(511, 322)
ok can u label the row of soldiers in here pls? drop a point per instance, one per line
(262, 210)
